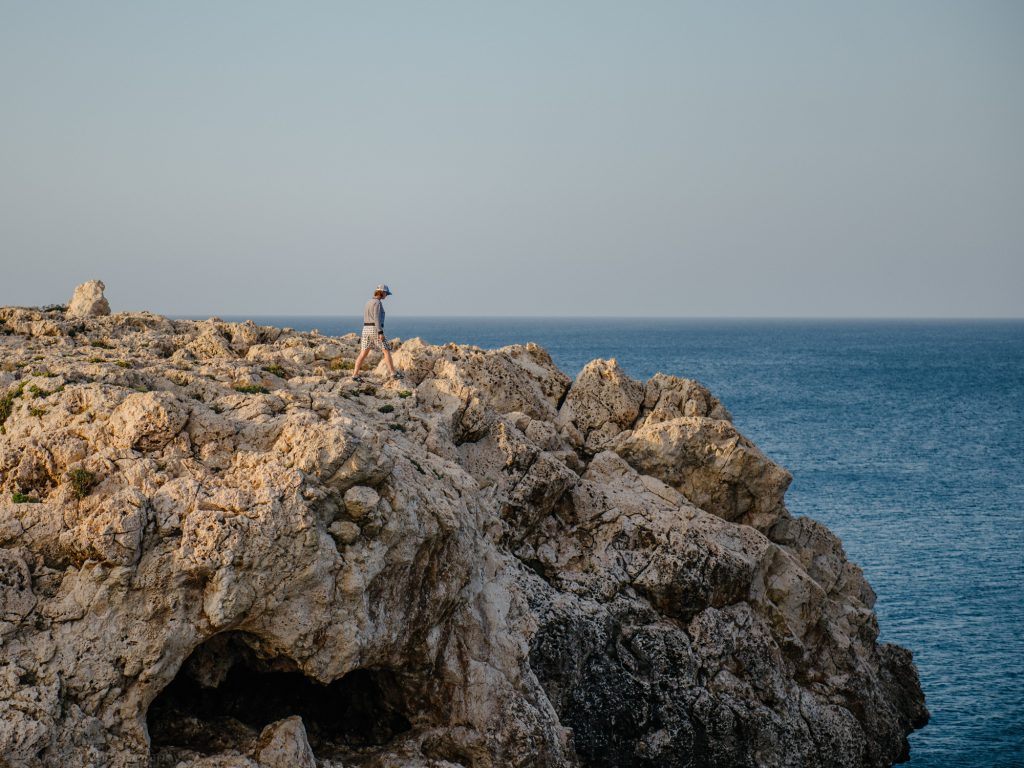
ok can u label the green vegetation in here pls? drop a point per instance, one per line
(342, 364)
(277, 370)
(97, 360)
(250, 389)
(404, 394)
(82, 482)
(386, 408)
(396, 427)
(37, 412)
(36, 391)
(123, 364)
(7, 402)
(98, 343)
(22, 498)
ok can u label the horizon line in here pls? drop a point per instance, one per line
(760, 318)
(887, 318)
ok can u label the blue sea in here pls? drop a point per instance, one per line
(906, 438)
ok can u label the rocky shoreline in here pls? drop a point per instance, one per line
(217, 550)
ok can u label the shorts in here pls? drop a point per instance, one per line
(372, 340)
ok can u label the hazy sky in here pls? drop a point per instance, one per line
(527, 158)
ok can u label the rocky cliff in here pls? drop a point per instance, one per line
(217, 550)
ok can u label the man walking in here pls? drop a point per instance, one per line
(373, 333)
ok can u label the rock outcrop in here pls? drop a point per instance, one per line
(218, 550)
(89, 301)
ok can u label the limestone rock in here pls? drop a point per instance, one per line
(211, 343)
(224, 760)
(360, 501)
(602, 402)
(486, 564)
(89, 301)
(284, 745)
(16, 598)
(344, 532)
(713, 465)
(147, 422)
(669, 397)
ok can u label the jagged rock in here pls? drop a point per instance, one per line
(147, 422)
(496, 567)
(211, 343)
(360, 501)
(602, 402)
(284, 745)
(16, 598)
(344, 532)
(711, 464)
(89, 301)
(669, 397)
(227, 760)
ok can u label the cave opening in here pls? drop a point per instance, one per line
(229, 689)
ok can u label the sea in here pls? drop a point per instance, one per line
(906, 438)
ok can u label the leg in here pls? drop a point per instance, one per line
(359, 360)
(387, 359)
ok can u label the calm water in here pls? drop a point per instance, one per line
(905, 438)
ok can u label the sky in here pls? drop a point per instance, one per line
(556, 158)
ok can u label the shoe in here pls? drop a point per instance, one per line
(398, 376)
(358, 379)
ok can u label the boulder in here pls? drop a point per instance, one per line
(602, 402)
(89, 301)
(147, 421)
(360, 501)
(284, 745)
(711, 464)
(344, 532)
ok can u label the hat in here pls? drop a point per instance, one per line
(384, 288)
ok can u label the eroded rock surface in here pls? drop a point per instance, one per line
(88, 300)
(218, 550)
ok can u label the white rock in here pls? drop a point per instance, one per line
(284, 745)
(88, 300)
